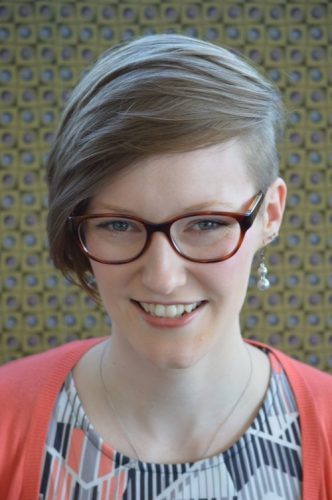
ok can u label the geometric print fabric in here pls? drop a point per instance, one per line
(264, 464)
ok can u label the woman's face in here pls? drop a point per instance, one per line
(157, 189)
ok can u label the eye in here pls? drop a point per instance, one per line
(207, 225)
(204, 225)
(117, 225)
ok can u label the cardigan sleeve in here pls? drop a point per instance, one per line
(313, 393)
(18, 390)
(28, 390)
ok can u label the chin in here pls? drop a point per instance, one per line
(175, 360)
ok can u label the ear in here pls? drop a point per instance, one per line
(274, 206)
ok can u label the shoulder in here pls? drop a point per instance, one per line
(306, 381)
(24, 378)
(28, 390)
(312, 388)
(302, 374)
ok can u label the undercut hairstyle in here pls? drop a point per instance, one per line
(154, 95)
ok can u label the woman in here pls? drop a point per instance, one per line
(164, 184)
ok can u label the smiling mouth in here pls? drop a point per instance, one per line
(169, 310)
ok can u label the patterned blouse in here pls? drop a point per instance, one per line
(264, 464)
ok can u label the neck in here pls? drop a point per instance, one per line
(172, 415)
(163, 400)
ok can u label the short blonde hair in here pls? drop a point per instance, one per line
(157, 94)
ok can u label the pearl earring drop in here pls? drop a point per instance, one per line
(263, 282)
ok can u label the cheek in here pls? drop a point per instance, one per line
(230, 277)
(109, 280)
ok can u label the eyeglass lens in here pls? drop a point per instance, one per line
(197, 237)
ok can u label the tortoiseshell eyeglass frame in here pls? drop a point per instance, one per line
(245, 221)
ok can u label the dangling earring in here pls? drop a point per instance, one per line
(263, 282)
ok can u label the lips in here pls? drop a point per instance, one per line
(169, 310)
(169, 314)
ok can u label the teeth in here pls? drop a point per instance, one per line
(189, 307)
(170, 311)
(159, 310)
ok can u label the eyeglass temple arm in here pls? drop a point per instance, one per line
(252, 211)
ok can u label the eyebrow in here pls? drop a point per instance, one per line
(192, 208)
(207, 205)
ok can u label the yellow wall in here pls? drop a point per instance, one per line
(46, 44)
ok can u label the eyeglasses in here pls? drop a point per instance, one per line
(198, 236)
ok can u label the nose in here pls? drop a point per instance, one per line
(163, 270)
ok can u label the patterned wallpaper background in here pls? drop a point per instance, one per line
(44, 47)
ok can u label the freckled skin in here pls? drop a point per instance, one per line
(157, 189)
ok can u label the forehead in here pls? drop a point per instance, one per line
(174, 182)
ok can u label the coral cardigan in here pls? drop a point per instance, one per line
(29, 387)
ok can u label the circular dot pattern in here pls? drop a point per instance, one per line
(45, 46)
